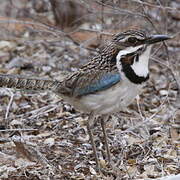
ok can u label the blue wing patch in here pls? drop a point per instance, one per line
(105, 82)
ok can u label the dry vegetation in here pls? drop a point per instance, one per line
(43, 137)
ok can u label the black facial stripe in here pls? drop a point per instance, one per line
(137, 58)
(131, 75)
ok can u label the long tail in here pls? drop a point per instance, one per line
(27, 83)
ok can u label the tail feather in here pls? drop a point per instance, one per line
(26, 83)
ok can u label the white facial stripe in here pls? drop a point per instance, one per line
(127, 51)
(141, 67)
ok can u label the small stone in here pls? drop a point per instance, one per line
(6, 45)
(16, 122)
(163, 92)
(16, 62)
(92, 171)
(50, 141)
(46, 68)
(23, 163)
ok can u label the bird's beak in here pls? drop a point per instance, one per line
(156, 38)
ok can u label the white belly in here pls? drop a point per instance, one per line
(107, 101)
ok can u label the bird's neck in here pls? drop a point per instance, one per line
(141, 65)
(134, 66)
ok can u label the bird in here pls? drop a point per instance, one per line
(106, 84)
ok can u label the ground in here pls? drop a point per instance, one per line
(43, 137)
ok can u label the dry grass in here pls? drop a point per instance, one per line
(43, 137)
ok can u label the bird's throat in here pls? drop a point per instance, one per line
(135, 65)
(132, 76)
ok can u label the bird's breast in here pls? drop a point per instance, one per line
(108, 101)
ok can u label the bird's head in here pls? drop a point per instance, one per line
(134, 48)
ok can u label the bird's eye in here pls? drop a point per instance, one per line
(132, 39)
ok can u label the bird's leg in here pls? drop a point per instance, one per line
(103, 120)
(90, 119)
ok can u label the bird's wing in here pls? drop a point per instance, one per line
(99, 74)
(95, 82)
